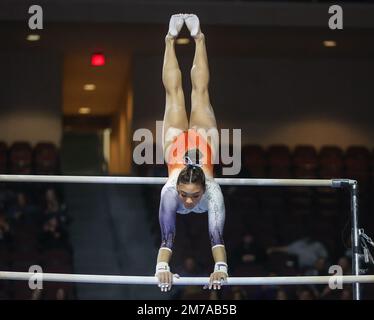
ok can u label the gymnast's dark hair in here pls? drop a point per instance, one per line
(192, 173)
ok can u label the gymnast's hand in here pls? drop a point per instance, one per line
(216, 279)
(165, 280)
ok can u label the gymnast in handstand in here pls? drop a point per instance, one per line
(189, 150)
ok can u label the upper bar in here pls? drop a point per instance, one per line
(333, 183)
(152, 280)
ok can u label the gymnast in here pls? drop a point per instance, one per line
(189, 150)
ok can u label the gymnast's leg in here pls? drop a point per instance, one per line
(175, 116)
(202, 117)
(175, 121)
(202, 113)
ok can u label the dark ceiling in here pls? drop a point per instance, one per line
(259, 29)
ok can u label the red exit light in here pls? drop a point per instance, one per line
(97, 59)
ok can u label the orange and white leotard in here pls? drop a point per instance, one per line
(212, 200)
(189, 140)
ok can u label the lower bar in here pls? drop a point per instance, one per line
(183, 281)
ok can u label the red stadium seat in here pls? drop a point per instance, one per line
(305, 161)
(331, 162)
(20, 158)
(3, 158)
(279, 156)
(45, 158)
(279, 160)
(357, 163)
(254, 160)
(357, 158)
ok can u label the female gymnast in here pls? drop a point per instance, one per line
(189, 150)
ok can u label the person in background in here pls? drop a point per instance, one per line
(53, 207)
(4, 229)
(248, 252)
(307, 250)
(22, 211)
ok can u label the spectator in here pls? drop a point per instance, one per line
(248, 252)
(16, 212)
(346, 294)
(267, 292)
(337, 294)
(213, 295)
(54, 226)
(53, 235)
(281, 294)
(239, 293)
(22, 210)
(61, 294)
(3, 196)
(4, 228)
(307, 250)
(189, 268)
(345, 263)
(320, 269)
(329, 294)
(36, 294)
(305, 293)
(53, 206)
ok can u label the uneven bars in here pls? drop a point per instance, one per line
(332, 183)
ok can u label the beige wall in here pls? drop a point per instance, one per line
(32, 127)
(30, 99)
(120, 140)
(290, 101)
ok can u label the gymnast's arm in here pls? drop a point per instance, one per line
(167, 216)
(216, 221)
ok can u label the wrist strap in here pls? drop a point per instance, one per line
(162, 267)
(221, 267)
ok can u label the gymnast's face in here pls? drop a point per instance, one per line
(190, 194)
